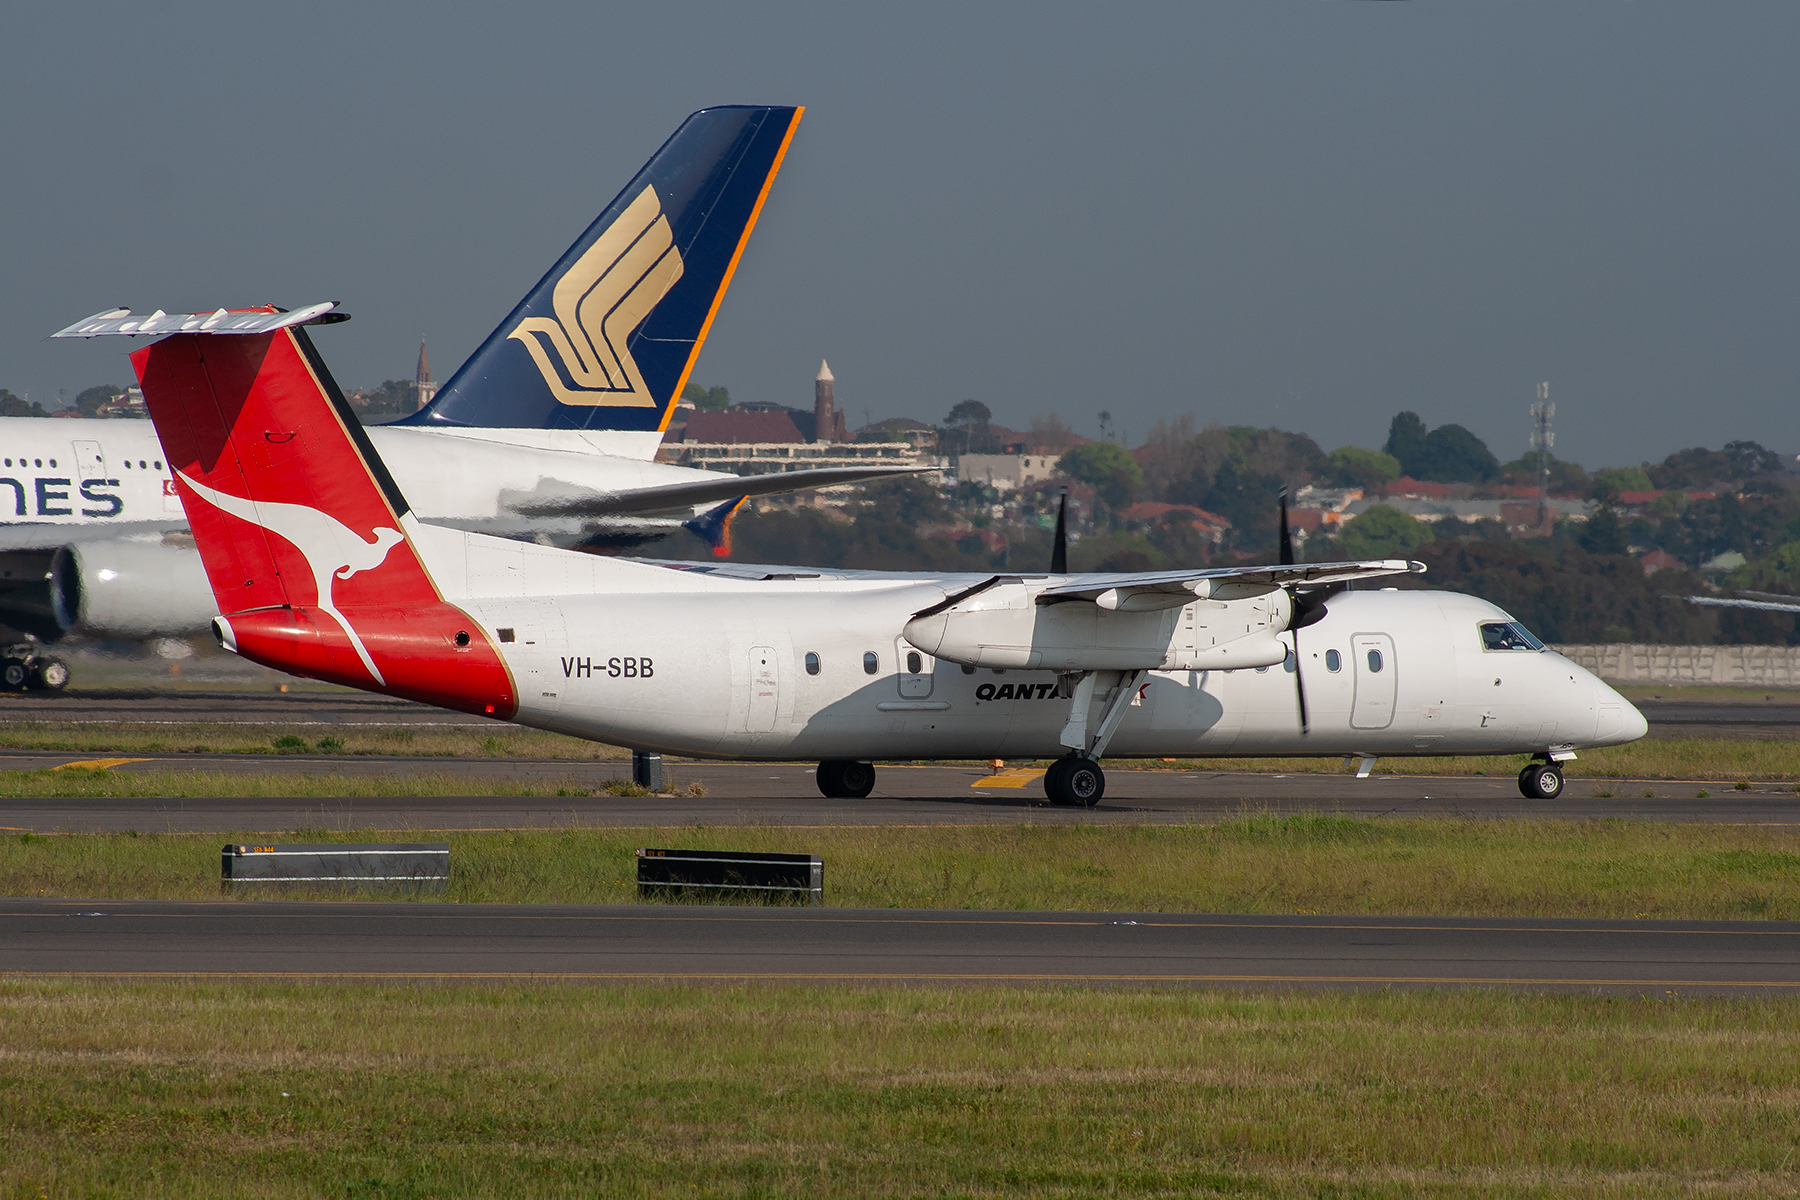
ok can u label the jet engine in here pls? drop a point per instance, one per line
(112, 588)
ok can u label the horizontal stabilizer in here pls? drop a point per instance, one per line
(119, 322)
(1791, 606)
(663, 497)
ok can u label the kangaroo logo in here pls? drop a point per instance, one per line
(599, 301)
(331, 548)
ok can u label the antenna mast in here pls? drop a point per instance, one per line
(1541, 440)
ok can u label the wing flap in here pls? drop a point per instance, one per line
(667, 497)
(1146, 591)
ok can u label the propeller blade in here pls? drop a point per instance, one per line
(1300, 686)
(1285, 547)
(1059, 548)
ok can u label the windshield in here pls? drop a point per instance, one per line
(1507, 635)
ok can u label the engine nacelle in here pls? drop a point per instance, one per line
(1004, 626)
(112, 588)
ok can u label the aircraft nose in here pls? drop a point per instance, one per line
(1620, 720)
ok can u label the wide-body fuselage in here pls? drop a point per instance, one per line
(795, 670)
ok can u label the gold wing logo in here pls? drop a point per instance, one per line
(599, 302)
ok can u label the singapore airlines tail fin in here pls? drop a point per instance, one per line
(303, 533)
(606, 339)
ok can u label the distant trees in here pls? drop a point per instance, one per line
(1610, 481)
(1447, 454)
(705, 399)
(89, 400)
(394, 398)
(965, 429)
(1353, 466)
(15, 406)
(1382, 532)
(1108, 467)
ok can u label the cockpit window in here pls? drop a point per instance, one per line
(1507, 635)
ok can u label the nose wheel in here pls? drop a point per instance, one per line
(1541, 781)
(1076, 782)
(845, 779)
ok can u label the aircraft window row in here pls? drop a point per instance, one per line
(141, 466)
(35, 462)
(812, 663)
(1507, 635)
(1334, 661)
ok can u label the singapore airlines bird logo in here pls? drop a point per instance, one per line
(331, 548)
(599, 301)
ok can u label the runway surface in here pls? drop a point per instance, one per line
(784, 794)
(627, 942)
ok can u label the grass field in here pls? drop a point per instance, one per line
(498, 740)
(1255, 864)
(177, 1090)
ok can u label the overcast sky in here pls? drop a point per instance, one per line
(1307, 214)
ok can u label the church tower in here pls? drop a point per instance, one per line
(826, 423)
(422, 385)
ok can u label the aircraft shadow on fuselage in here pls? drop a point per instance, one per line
(1011, 714)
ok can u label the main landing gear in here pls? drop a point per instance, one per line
(1541, 781)
(845, 779)
(1075, 781)
(23, 668)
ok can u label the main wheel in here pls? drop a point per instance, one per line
(1075, 781)
(845, 779)
(1541, 781)
(50, 674)
(13, 676)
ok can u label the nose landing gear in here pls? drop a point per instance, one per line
(1075, 781)
(1541, 781)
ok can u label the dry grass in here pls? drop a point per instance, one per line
(1254, 864)
(497, 740)
(181, 1090)
(179, 784)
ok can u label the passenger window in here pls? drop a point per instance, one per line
(871, 664)
(53, 462)
(1375, 662)
(1507, 635)
(914, 664)
(812, 663)
(1333, 661)
(140, 464)
(1262, 670)
(159, 464)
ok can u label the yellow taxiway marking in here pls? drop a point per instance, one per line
(99, 764)
(1016, 778)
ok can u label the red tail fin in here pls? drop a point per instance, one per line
(300, 527)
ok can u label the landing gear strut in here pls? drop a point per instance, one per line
(845, 779)
(1541, 781)
(1075, 781)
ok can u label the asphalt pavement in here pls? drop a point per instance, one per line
(616, 943)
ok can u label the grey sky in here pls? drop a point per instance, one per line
(1302, 214)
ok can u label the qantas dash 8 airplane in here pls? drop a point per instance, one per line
(321, 567)
(546, 432)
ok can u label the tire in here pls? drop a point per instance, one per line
(50, 674)
(1076, 782)
(1541, 781)
(845, 779)
(13, 677)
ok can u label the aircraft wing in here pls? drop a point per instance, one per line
(1792, 606)
(667, 497)
(1173, 589)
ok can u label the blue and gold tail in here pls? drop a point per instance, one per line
(605, 341)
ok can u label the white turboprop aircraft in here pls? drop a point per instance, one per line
(545, 433)
(321, 568)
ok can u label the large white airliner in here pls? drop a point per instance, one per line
(546, 433)
(321, 568)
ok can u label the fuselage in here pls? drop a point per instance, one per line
(100, 473)
(809, 669)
